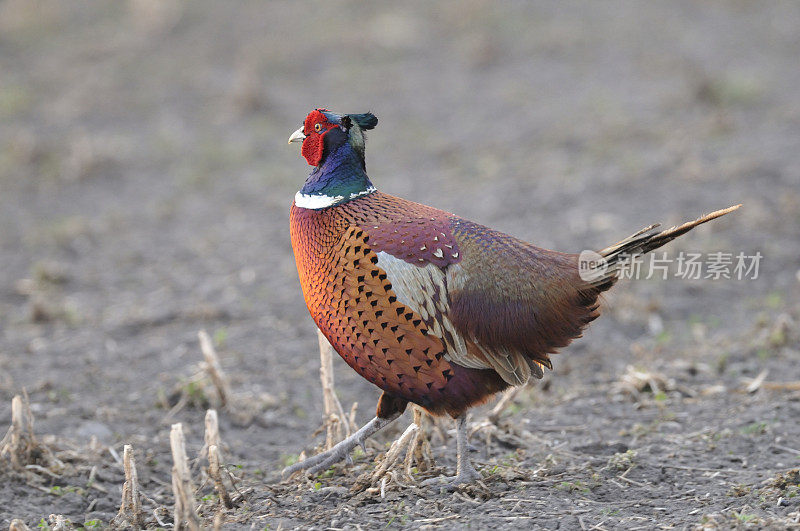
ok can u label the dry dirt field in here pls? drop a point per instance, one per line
(145, 182)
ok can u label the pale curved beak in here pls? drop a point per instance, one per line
(297, 136)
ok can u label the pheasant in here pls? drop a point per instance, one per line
(431, 308)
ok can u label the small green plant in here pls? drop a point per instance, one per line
(59, 395)
(220, 337)
(623, 460)
(756, 428)
(695, 319)
(92, 524)
(788, 483)
(289, 460)
(642, 430)
(328, 473)
(664, 337)
(726, 432)
(400, 517)
(774, 300)
(60, 491)
(196, 393)
(777, 338)
(510, 459)
(573, 486)
(744, 517)
(730, 90)
(722, 362)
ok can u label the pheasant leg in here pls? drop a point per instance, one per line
(339, 452)
(465, 472)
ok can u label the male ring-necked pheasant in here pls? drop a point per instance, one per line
(432, 308)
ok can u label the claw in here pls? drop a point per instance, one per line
(451, 483)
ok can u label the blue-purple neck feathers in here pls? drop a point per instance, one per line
(339, 178)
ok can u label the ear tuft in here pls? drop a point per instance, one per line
(365, 121)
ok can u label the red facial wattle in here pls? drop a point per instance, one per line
(315, 127)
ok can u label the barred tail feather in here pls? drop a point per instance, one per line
(647, 240)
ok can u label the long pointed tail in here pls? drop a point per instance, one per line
(645, 241)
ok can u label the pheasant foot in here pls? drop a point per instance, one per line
(342, 450)
(466, 473)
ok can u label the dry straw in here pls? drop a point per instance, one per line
(214, 368)
(20, 444)
(130, 512)
(185, 514)
(338, 426)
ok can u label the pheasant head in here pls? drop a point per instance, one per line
(315, 134)
(334, 144)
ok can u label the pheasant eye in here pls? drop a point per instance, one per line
(318, 127)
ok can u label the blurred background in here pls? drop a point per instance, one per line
(145, 182)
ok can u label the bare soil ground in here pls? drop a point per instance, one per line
(144, 187)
